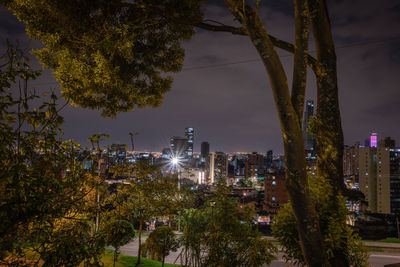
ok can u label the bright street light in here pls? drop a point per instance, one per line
(175, 161)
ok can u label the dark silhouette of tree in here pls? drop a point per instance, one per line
(45, 193)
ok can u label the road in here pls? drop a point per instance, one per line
(376, 259)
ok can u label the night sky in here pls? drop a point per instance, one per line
(224, 93)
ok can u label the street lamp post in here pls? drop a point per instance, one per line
(175, 163)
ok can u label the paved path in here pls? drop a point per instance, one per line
(376, 259)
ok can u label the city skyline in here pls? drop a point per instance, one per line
(223, 91)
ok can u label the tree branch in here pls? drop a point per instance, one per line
(311, 61)
(221, 28)
(300, 56)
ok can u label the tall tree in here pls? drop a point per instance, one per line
(96, 71)
(160, 242)
(43, 185)
(222, 234)
(146, 196)
(118, 233)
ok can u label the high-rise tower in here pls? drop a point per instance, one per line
(178, 147)
(189, 134)
(373, 140)
(205, 150)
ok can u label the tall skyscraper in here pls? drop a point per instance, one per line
(268, 159)
(395, 180)
(380, 178)
(189, 134)
(350, 163)
(375, 178)
(373, 140)
(205, 150)
(309, 143)
(179, 147)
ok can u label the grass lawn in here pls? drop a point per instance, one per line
(125, 260)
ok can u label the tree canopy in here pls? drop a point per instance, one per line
(110, 55)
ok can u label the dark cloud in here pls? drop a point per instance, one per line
(231, 106)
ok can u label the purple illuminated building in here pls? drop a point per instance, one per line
(373, 140)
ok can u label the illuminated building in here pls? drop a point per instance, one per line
(275, 193)
(379, 175)
(350, 164)
(179, 147)
(205, 150)
(117, 153)
(254, 165)
(374, 178)
(193, 174)
(216, 167)
(373, 140)
(189, 134)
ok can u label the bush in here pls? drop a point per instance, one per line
(118, 233)
(160, 242)
(336, 234)
(223, 234)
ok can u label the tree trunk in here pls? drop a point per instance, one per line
(329, 136)
(329, 131)
(297, 184)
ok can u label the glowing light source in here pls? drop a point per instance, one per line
(175, 161)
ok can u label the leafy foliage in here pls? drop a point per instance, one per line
(118, 233)
(160, 242)
(336, 235)
(246, 182)
(147, 195)
(110, 54)
(44, 189)
(70, 244)
(223, 235)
